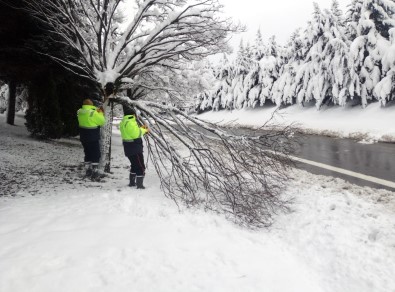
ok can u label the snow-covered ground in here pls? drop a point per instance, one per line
(60, 233)
(374, 123)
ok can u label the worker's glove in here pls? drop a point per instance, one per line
(146, 128)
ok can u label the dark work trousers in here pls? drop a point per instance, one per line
(137, 165)
(92, 151)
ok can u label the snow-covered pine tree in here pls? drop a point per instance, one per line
(216, 97)
(258, 48)
(385, 89)
(263, 71)
(223, 74)
(268, 70)
(284, 88)
(334, 71)
(323, 77)
(252, 83)
(352, 18)
(384, 18)
(382, 14)
(236, 98)
(369, 46)
(308, 83)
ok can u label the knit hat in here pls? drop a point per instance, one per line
(87, 102)
(129, 111)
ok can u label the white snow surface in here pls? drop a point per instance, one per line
(61, 233)
(371, 124)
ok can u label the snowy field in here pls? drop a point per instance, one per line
(60, 233)
(369, 125)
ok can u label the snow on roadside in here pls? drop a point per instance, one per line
(345, 232)
(73, 235)
(372, 124)
(129, 241)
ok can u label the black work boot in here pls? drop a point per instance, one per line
(139, 182)
(95, 172)
(132, 179)
(88, 169)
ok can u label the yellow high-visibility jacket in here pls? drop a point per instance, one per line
(90, 121)
(131, 134)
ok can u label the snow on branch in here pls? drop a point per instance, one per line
(159, 31)
(199, 163)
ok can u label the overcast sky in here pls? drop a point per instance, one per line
(274, 17)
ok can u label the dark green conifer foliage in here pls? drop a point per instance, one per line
(43, 118)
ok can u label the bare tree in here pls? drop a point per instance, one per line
(115, 49)
(198, 162)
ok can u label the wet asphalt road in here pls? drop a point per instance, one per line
(377, 160)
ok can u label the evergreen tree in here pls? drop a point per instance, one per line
(224, 75)
(382, 14)
(215, 98)
(269, 70)
(262, 74)
(385, 89)
(252, 86)
(258, 48)
(38, 74)
(284, 88)
(369, 46)
(43, 116)
(334, 71)
(308, 84)
(353, 17)
(236, 98)
(324, 76)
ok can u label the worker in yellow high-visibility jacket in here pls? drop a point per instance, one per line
(131, 134)
(90, 119)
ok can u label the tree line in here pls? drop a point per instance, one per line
(336, 60)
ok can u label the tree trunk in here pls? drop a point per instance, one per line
(11, 102)
(105, 139)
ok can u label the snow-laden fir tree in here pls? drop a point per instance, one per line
(385, 89)
(334, 71)
(215, 98)
(269, 70)
(323, 77)
(352, 19)
(258, 48)
(384, 17)
(371, 21)
(263, 72)
(252, 86)
(236, 98)
(308, 81)
(284, 89)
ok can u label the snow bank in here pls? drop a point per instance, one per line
(374, 123)
(74, 235)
